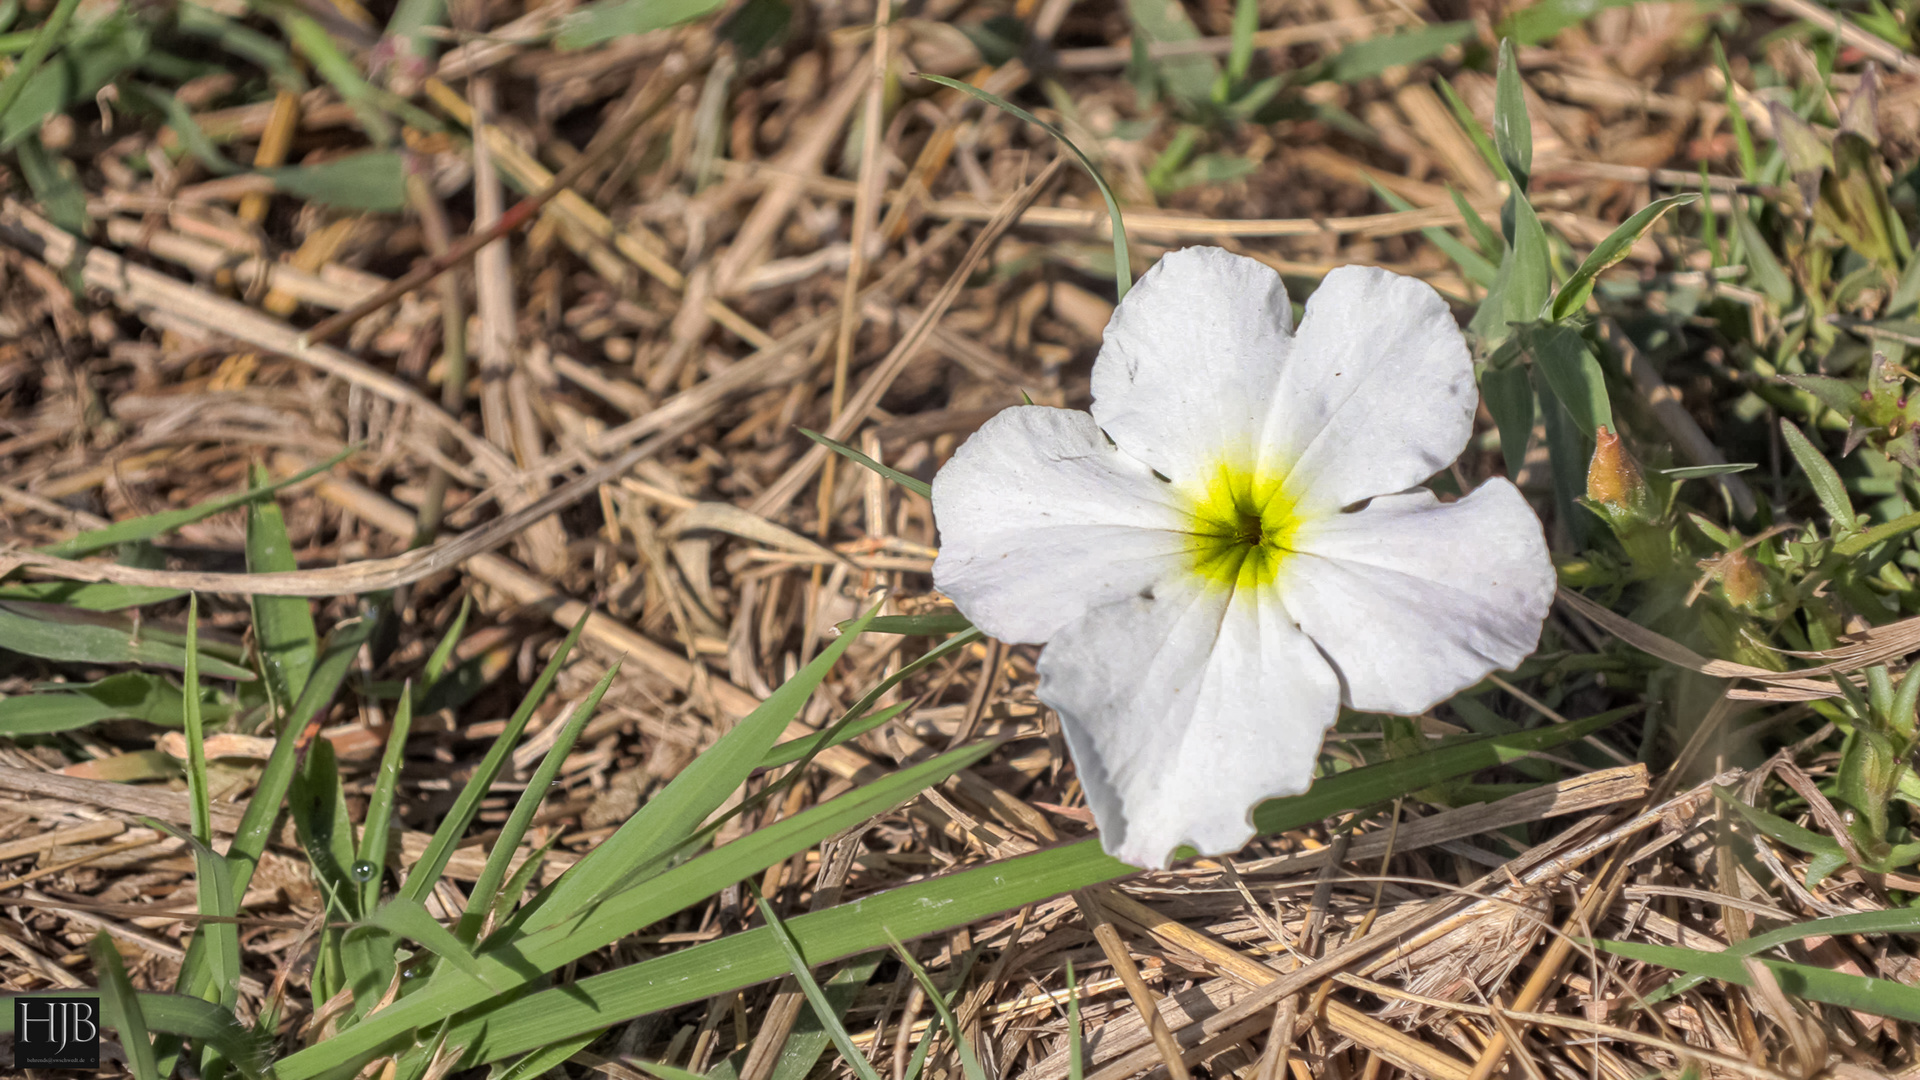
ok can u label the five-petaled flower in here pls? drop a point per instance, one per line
(1233, 543)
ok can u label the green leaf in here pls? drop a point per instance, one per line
(89, 596)
(370, 865)
(1827, 485)
(146, 528)
(1471, 262)
(794, 749)
(1879, 997)
(1189, 78)
(673, 814)
(282, 625)
(1560, 353)
(810, 1036)
(816, 998)
(1509, 397)
(1520, 291)
(1512, 130)
(1538, 22)
(403, 917)
(374, 181)
(913, 484)
(601, 22)
(1779, 828)
(45, 38)
(925, 907)
(969, 1060)
(448, 991)
(53, 632)
(931, 624)
(120, 1008)
(1369, 57)
(1463, 116)
(1122, 267)
(1762, 266)
(55, 184)
(1573, 294)
(494, 873)
(1702, 472)
(426, 872)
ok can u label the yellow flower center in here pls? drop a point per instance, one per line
(1242, 530)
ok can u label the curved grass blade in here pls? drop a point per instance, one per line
(969, 1059)
(1880, 997)
(1574, 292)
(370, 863)
(120, 1008)
(146, 528)
(913, 484)
(1122, 268)
(1893, 921)
(816, 997)
(925, 907)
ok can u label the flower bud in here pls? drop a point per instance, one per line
(1745, 583)
(1614, 480)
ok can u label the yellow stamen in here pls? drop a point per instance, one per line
(1242, 529)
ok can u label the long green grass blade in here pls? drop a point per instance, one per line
(1122, 268)
(53, 632)
(1880, 997)
(282, 625)
(426, 873)
(909, 911)
(969, 1059)
(120, 1008)
(146, 528)
(816, 997)
(810, 1037)
(911, 483)
(671, 816)
(370, 862)
(1894, 921)
(494, 873)
(449, 992)
(1573, 294)
(44, 40)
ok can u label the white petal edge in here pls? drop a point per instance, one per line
(1376, 396)
(1185, 711)
(1041, 519)
(1190, 360)
(1415, 600)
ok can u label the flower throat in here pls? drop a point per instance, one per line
(1242, 531)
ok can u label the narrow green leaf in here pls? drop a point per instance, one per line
(443, 652)
(810, 1037)
(1471, 262)
(1894, 921)
(1512, 130)
(370, 866)
(426, 872)
(969, 1060)
(146, 528)
(1561, 354)
(1508, 394)
(407, 918)
(1702, 472)
(911, 483)
(1371, 56)
(1474, 132)
(120, 1008)
(794, 749)
(44, 40)
(816, 997)
(1762, 266)
(89, 596)
(1246, 23)
(931, 624)
(670, 816)
(53, 632)
(1779, 828)
(282, 625)
(373, 181)
(448, 992)
(1076, 1069)
(1490, 243)
(1827, 485)
(595, 23)
(480, 899)
(1879, 997)
(1122, 268)
(925, 907)
(1573, 294)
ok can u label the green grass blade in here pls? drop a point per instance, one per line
(671, 816)
(370, 859)
(44, 40)
(146, 528)
(409, 919)
(545, 1060)
(856, 721)
(1471, 262)
(1122, 268)
(816, 997)
(213, 877)
(1489, 242)
(426, 873)
(1474, 132)
(1573, 294)
(494, 873)
(936, 623)
(1763, 267)
(1076, 1068)
(443, 652)
(1512, 130)
(925, 907)
(1880, 997)
(913, 484)
(89, 596)
(449, 992)
(807, 745)
(1894, 921)
(969, 1060)
(53, 632)
(1246, 22)
(282, 625)
(120, 1008)
(810, 1037)
(1827, 485)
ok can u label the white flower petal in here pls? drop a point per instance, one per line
(1190, 360)
(1377, 394)
(1042, 519)
(1184, 711)
(1414, 600)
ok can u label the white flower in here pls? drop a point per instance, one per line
(1245, 548)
